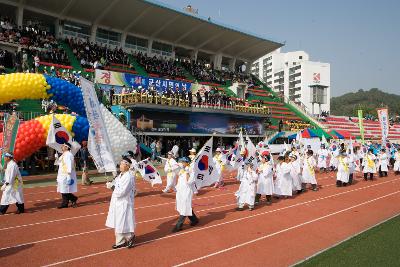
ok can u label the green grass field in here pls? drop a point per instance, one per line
(379, 246)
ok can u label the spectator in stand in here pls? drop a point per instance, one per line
(92, 55)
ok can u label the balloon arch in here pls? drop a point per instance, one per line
(32, 134)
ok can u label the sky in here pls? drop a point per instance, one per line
(360, 39)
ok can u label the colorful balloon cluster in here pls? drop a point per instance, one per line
(22, 86)
(17, 86)
(66, 94)
(32, 134)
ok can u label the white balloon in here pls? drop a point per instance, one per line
(121, 139)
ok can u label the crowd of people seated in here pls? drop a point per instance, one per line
(161, 66)
(34, 40)
(94, 56)
(212, 99)
(295, 126)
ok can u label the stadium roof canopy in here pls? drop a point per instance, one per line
(157, 21)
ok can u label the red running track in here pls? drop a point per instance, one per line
(282, 234)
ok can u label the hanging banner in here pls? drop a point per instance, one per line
(360, 124)
(100, 142)
(107, 77)
(10, 130)
(11, 124)
(384, 122)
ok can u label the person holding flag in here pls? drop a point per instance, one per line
(239, 164)
(283, 183)
(383, 163)
(12, 187)
(170, 168)
(396, 166)
(247, 189)
(219, 161)
(121, 214)
(66, 177)
(184, 195)
(134, 166)
(351, 157)
(308, 174)
(343, 170)
(265, 184)
(369, 164)
(322, 155)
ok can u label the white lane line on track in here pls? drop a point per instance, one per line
(285, 230)
(103, 229)
(220, 224)
(102, 213)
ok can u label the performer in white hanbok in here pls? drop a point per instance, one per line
(343, 171)
(308, 175)
(134, 166)
(66, 177)
(12, 187)
(240, 166)
(247, 189)
(352, 159)
(322, 155)
(396, 167)
(220, 162)
(265, 184)
(184, 195)
(283, 183)
(369, 165)
(121, 214)
(333, 153)
(171, 168)
(383, 163)
(295, 172)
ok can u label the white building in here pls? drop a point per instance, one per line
(297, 78)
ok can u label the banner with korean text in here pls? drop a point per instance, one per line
(119, 79)
(99, 145)
(384, 122)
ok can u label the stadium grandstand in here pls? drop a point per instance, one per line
(166, 72)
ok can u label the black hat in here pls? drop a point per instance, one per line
(128, 160)
(67, 145)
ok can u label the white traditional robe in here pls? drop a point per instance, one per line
(295, 173)
(397, 162)
(322, 158)
(247, 189)
(352, 162)
(184, 192)
(14, 191)
(308, 175)
(369, 163)
(334, 161)
(283, 182)
(265, 185)
(383, 162)
(66, 171)
(240, 171)
(220, 165)
(343, 171)
(121, 214)
(171, 168)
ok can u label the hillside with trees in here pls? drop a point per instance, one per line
(368, 101)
